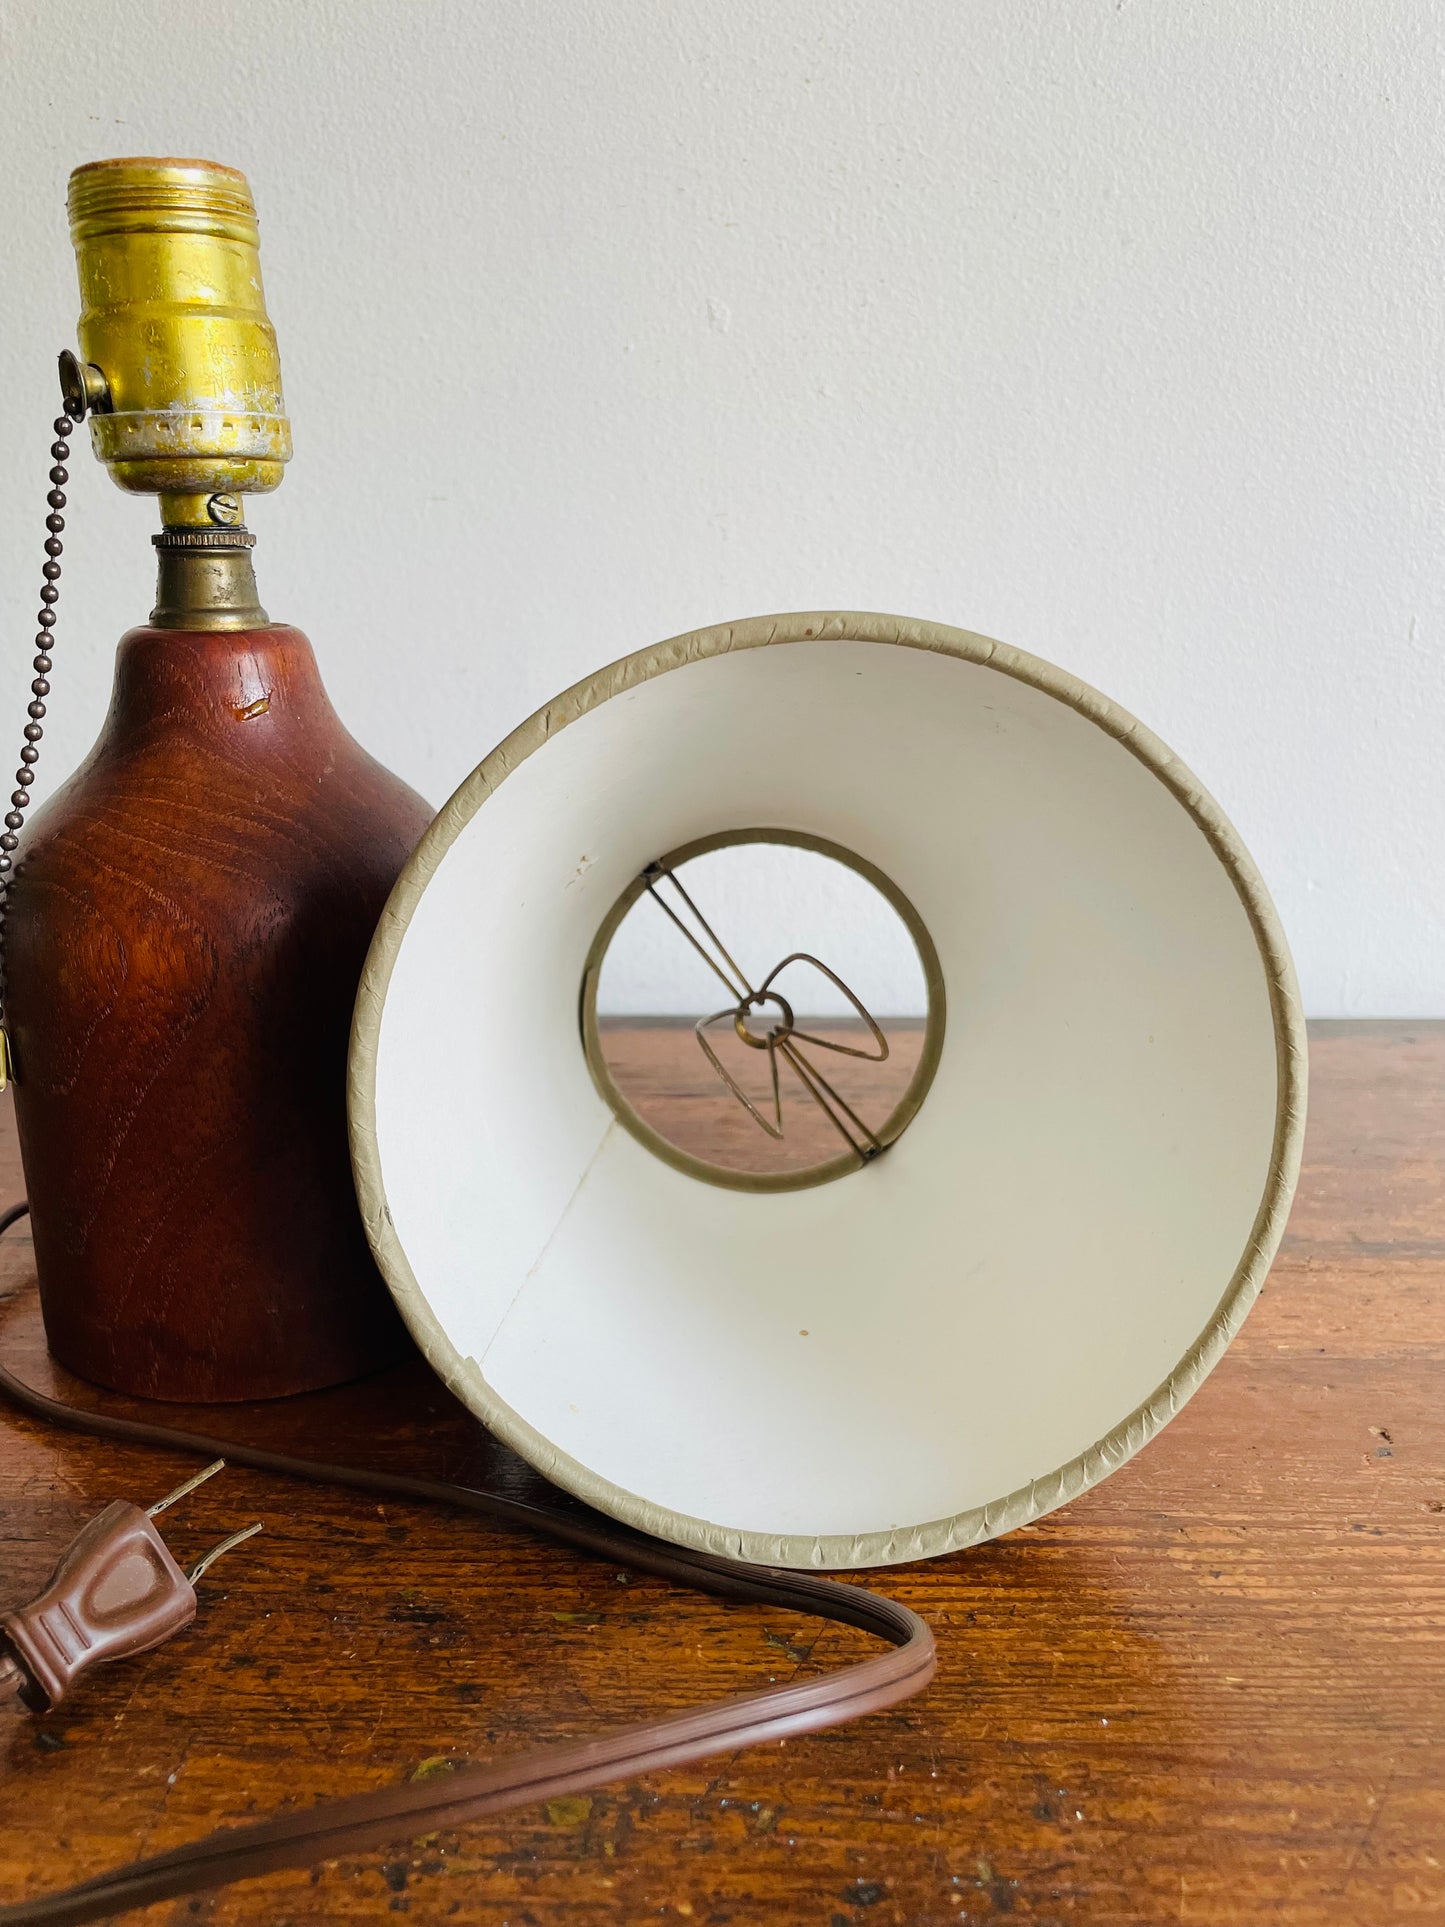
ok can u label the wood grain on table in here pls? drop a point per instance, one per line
(1211, 1691)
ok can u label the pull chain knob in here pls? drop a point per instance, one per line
(84, 390)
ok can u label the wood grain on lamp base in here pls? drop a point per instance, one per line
(186, 928)
(1210, 1691)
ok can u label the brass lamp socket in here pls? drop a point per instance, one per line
(177, 365)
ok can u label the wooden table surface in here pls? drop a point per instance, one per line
(1210, 1691)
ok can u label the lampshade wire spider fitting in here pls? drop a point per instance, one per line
(780, 1038)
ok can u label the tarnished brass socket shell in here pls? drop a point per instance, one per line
(174, 319)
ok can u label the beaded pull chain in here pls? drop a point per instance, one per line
(63, 427)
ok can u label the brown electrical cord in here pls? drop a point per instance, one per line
(397, 1813)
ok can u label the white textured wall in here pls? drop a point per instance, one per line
(1109, 327)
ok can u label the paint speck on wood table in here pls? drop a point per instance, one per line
(1212, 1691)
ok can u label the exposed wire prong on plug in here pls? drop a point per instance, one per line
(219, 1465)
(208, 1559)
(12, 1678)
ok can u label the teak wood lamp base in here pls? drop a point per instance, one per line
(188, 927)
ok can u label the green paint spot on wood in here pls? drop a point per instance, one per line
(788, 1646)
(570, 1811)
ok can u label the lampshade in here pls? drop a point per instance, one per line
(925, 1346)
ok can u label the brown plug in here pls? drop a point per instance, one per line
(117, 1591)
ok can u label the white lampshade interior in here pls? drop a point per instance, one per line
(822, 1375)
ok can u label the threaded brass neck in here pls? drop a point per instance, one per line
(161, 196)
